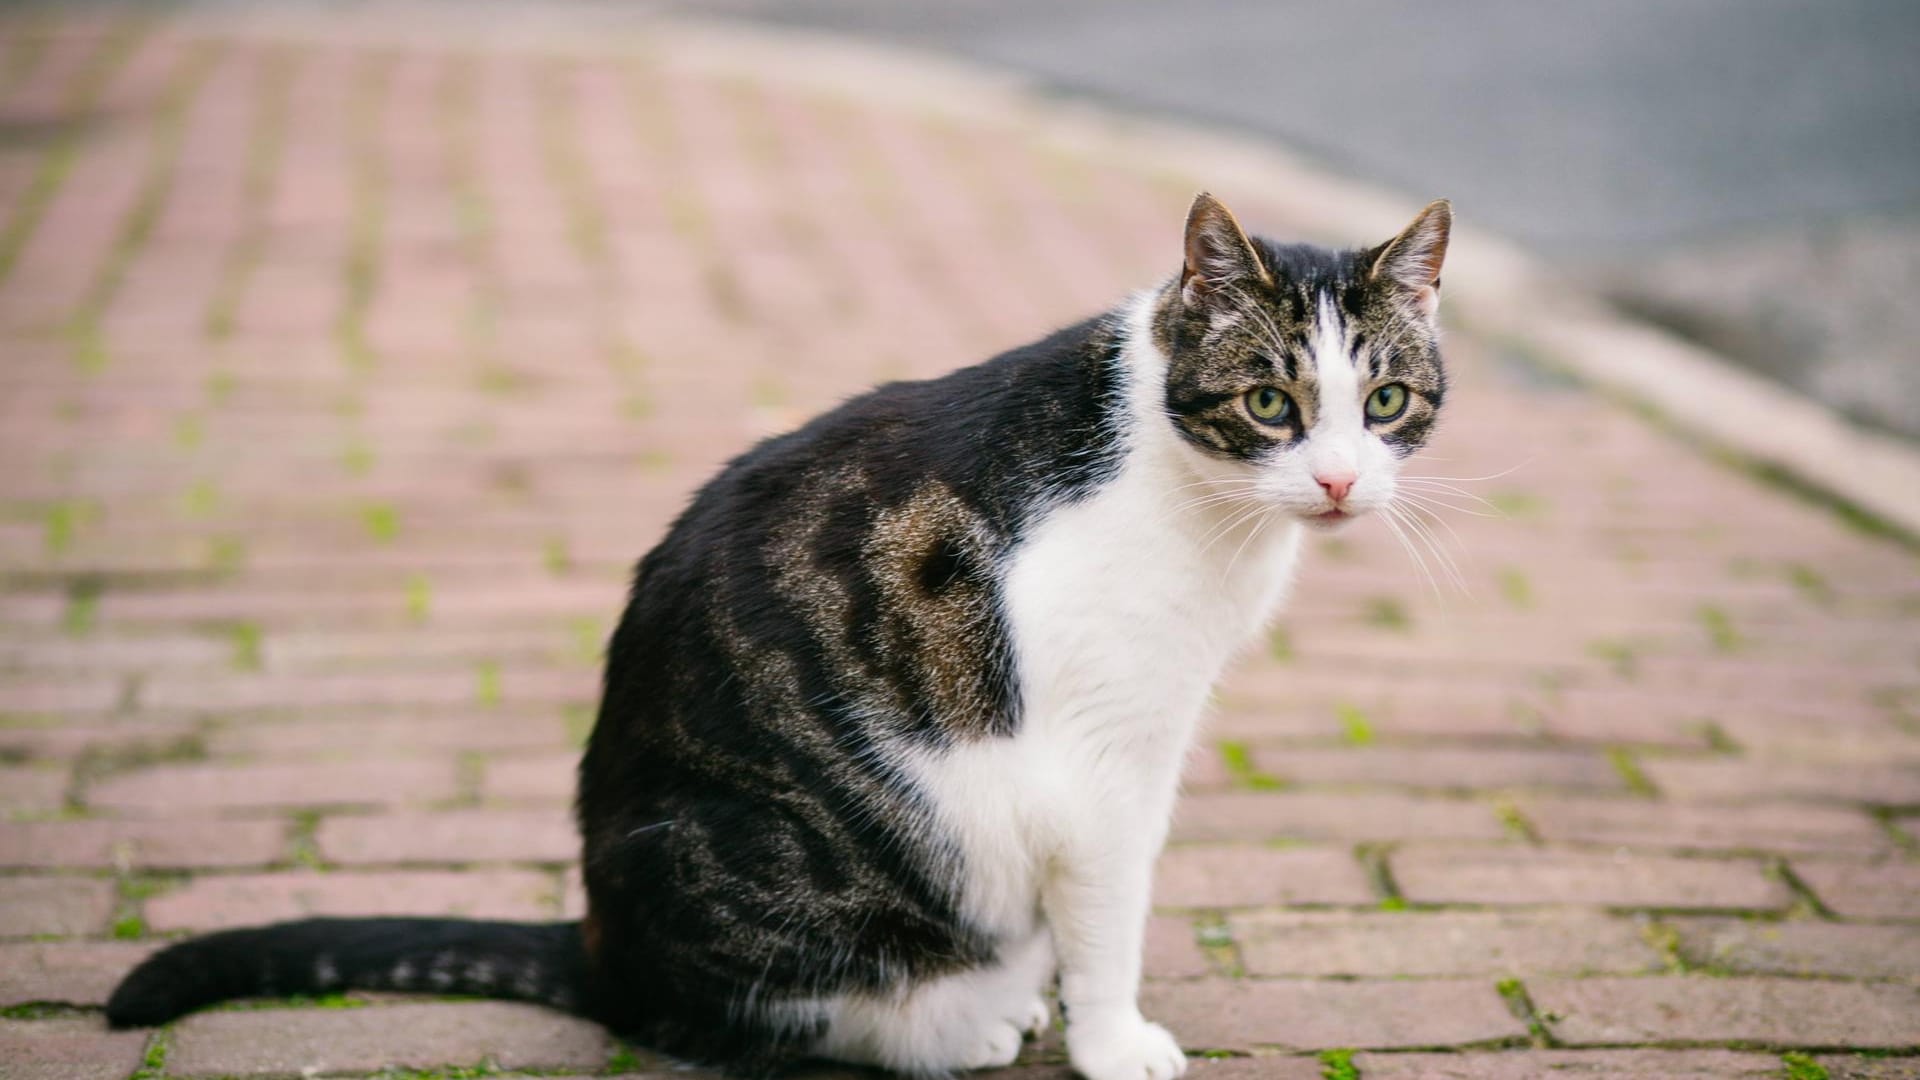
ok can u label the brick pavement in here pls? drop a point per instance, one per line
(343, 382)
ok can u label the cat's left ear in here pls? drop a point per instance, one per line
(1220, 258)
(1412, 260)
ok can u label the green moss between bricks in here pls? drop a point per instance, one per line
(1515, 587)
(1338, 1065)
(1280, 645)
(1239, 762)
(486, 687)
(419, 598)
(153, 1062)
(381, 521)
(1801, 1067)
(1387, 613)
(1629, 770)
(1719, 627)
(1354, 724)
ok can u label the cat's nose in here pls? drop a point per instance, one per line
(1336, 485)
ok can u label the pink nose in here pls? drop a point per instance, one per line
(1336, 485)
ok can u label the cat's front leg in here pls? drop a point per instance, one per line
(1096, 904)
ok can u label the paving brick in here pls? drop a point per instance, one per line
(33, 788)
(1331, 816)
(119, 737)
(460, 836)
(212, 902)
(1533, 1064)
(54, 905)
(68, 1048)
(1800, 947)
(142, 844)
(1864, 1067)
(1764, 827)
(1783, 1012)
(1308, 1015)
(1864, 890)
(414, 1035)
(389, 733)
(1528, 876)
(69, 972)
(1757, 781)
(1387, 944)
(1171, 951)
(1477, 769)
(532, 778)
(173, 789)
(1245, 877)
(64, 696)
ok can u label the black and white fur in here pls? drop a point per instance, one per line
(894, 721)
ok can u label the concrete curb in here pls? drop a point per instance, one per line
(1493, 288)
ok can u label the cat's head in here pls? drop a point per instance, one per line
(1299, 376)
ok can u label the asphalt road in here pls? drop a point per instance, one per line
(1747, 171)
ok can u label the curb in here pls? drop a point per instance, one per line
(1493, 288)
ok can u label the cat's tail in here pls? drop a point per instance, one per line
(545, 963)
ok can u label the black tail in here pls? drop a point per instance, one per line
(539, 962)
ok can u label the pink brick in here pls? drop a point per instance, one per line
(79, 694)
(1753, 781)
(1785, 1012)
(1864, 890)
(453, 837)
(68, 1048)
(1528, 876)
(1331, 816)
(1772, 827)
(1203, 877)
(1314, 1015)
(176, 788)
(73, 973)
(532, 777)
(1863, 1067)
(1171, 950)
(213, 902)
(1442, 769)
(1533, 1064)
(33, 788)
(410, 1035)
(55, 905)
(1800, 947)
(389, 732)
(165, 845)
(116, 736)
(1388, 944)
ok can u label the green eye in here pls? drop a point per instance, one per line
(1269, 406)
(1387, 402)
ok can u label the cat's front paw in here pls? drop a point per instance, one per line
(1123, 1048)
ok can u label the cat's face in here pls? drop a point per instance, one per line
(1299, 377)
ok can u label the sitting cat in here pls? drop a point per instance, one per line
(895, 718)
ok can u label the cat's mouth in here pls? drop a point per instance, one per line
(1327, 519)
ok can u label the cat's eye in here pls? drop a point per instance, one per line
(1387, 402)
(1268, 405)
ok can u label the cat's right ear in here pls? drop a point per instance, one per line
(1220, 258)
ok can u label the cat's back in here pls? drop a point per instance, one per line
(856, 561)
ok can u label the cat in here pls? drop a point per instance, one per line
(894, 721)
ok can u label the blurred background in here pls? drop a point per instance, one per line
(351, 354)
(1745, 174)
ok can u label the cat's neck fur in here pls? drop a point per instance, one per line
(1170, 473)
